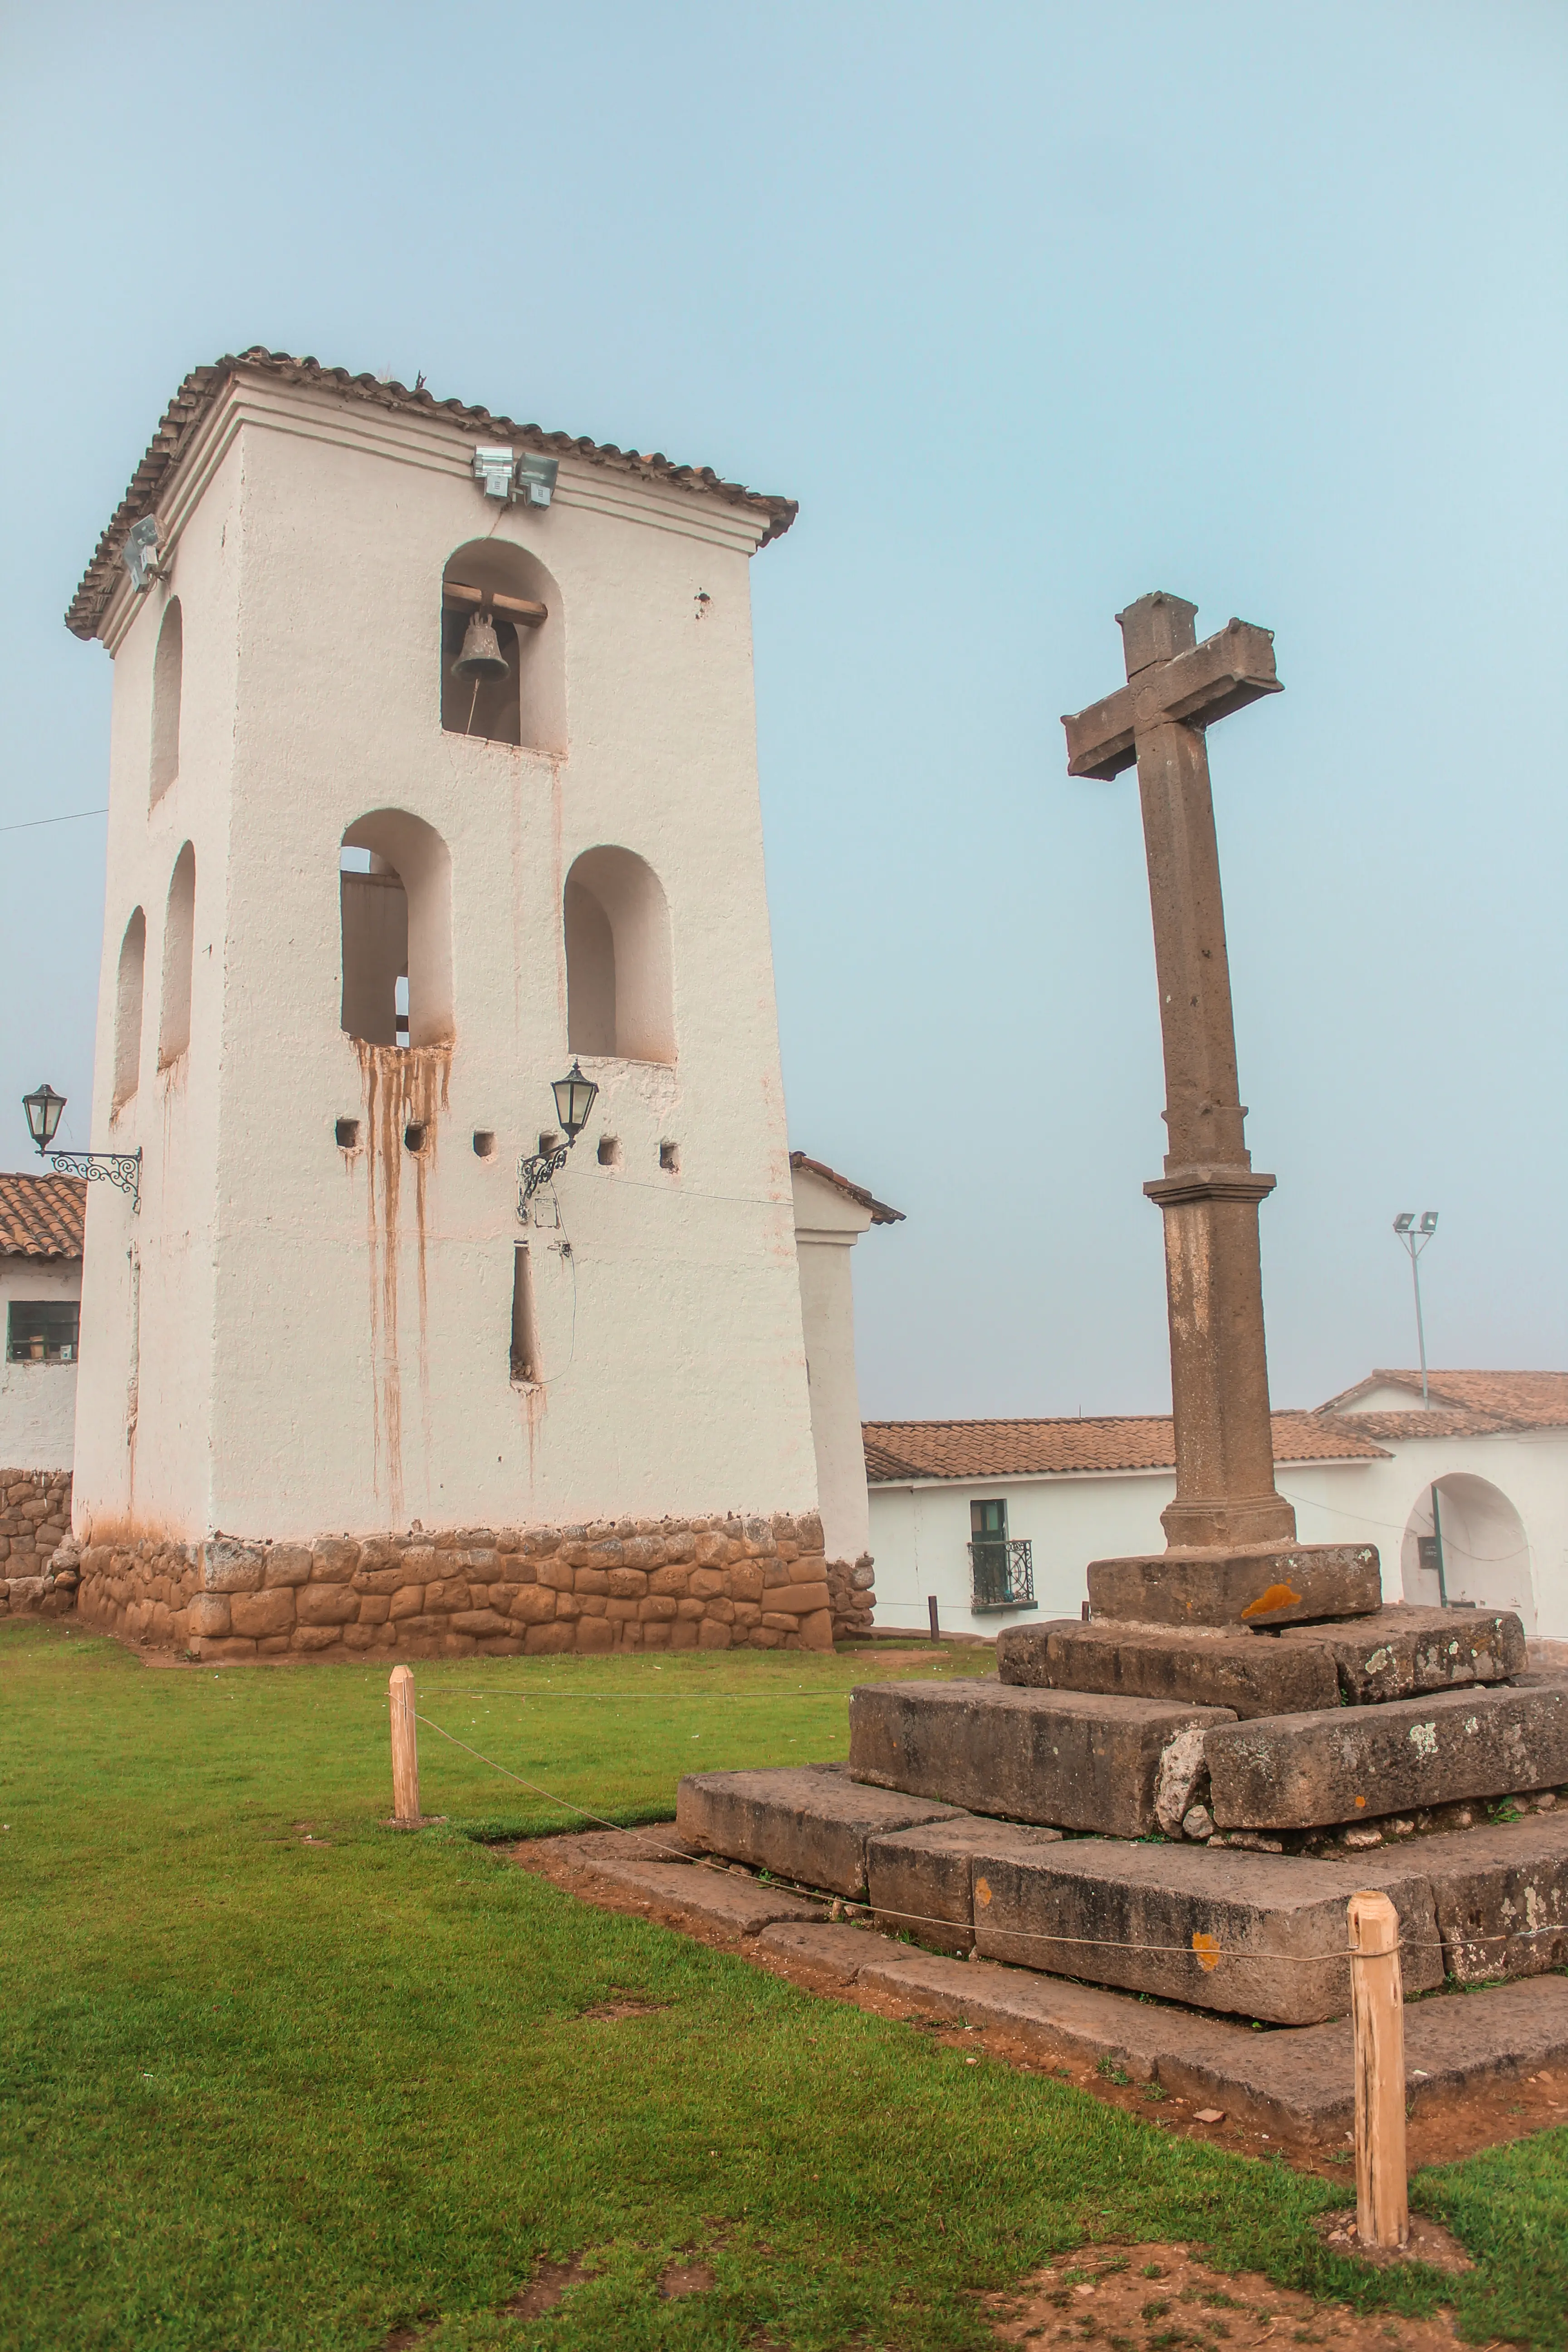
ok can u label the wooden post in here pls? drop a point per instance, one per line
(935, 1623)
(404, 1748)
(1377, 2015)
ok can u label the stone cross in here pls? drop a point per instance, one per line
(1226, 1498)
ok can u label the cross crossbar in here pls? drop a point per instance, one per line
(1227, 671)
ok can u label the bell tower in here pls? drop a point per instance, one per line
(433, 775)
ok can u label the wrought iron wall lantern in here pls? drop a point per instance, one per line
(122, 1169)
(574, 1098)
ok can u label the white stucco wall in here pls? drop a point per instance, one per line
(918, 1533)
(269, 1350)
(828, 1224)
(38, 1401)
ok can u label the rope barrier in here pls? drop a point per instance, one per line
(1208, 1955)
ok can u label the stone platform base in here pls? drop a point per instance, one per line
(1249, 1934)
(35, 1519)
(631, 1584)
(1295, 2083)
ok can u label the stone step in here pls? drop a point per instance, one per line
(1348, 1764)
(808, 1823)
(1273, 1587)
(921, 1881)
(1249, 1674)
(1253, 1935)
(1499, 1896)
(1402, 1651)
(1069, 1760)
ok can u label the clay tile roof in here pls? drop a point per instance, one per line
(899, 1450)
(1461, 1404)
(42, 1216)
(186, 412)
(880, 1213)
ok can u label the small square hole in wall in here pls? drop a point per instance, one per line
(669, 1159)
(548, 1143)
(348, 1134)
(414, 1135)
(484, 1143)
(609, 1151)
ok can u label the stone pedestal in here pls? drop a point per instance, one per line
(1255, 1588)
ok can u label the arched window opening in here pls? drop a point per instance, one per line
(502, 667)
(179, 949)
(1465, 1542)
(619, 999)
(167, 664)
(394, 892)
(127, 1010)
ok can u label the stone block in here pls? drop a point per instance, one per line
(262, 1613)
(707, 1583)
(230, 1651)
(921, 1881)
(325, 1604)
(683, 1634)
(691, 1610)
(1267, 1587)
(1399, 1653)
(333, 1559)
(230, 1566)
(374, 1608)
(590, 1580)
(1069, 1759)
(797, 1600)
(670, 1582)
(479, 1621)
(746, 1581)
(595, 1636)
(627, 1583)
(1254, 1934)
(287, 1564)
(816, 1630)
(799, 1822)
(1501, 1897)
(713, 1636)
(542, 1641)
(1355, 1763)
(408, 1601)
(534, 1605)
(448, 1594)
(1249, 1674)
(360, 1636)
(206, 1617)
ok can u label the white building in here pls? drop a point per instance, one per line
(997, 1520)
(40, 1306)
(432, 768)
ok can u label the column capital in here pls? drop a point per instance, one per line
(1222, 1184)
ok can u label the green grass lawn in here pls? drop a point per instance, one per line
(258, 2093)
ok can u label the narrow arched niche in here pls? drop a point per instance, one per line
(128, 984)
(168, 663)
(619, 983)
(394, 894)
(179, 950)
(512, 589)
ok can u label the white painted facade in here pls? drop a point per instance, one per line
(296, 1337)
(829, 1218)
(1502, 1501)
(38, 1401)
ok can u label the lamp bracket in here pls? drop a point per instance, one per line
(120, 1168)
(538, 1168)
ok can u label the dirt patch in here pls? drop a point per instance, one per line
(1156, 2298)
(686, 2278)
(629, 2006)
(550, 2281)
(1428, 2242)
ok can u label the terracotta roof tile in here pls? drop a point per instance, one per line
(186, 412)
(42, 1216)
(1472, 1403)
(880, 1213)
(900, 1450)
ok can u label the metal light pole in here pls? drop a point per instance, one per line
(1415, 1238)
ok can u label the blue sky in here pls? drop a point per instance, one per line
(1034, 309)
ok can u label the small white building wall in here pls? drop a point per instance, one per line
(828, 1224)
(38, 1401)
(919, 1532)
(271, 1353)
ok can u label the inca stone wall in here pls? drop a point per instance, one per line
(644, 1584)
(35, 1517)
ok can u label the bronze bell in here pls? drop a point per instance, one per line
(482, 655)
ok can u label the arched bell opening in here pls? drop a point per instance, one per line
(1465, 1542)
(619, 979)
(394, 892)
(502, 670)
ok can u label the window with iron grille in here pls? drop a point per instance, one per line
(42, 1330)
(1001, 1566)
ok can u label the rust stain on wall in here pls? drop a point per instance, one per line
(404, 1086)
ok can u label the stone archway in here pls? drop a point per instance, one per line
(1486, 1552)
